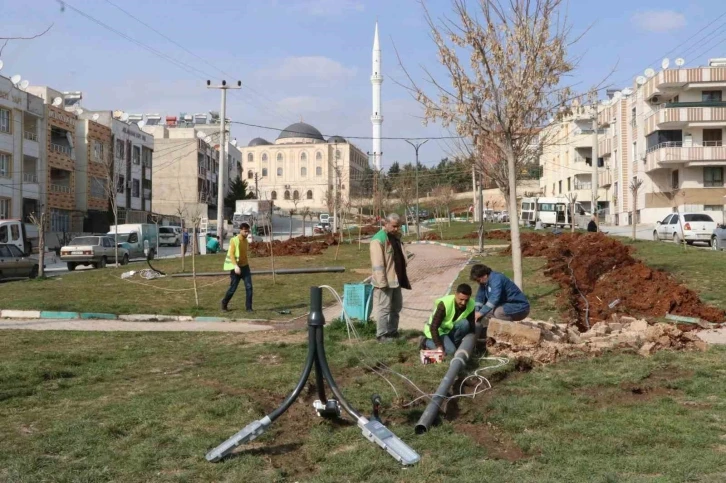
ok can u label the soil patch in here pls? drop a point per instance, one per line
(431, 236)
(655, 386)
(498, 445)
(602, 270)
(293, 247)
(491, 234)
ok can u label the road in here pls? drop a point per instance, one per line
(643, 232)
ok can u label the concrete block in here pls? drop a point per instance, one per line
(627, 320)
(20, 314)
(637, 325)
(147, 318)
(185, 318)
(59, 315)
(513, 331)
(210, 319)
(615, 326)
(98, 316)
(574, 335)
(647, 349)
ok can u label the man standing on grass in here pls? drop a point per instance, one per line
(388, 262)
(185, 242)
(498, 296)
(452, 319)
(238, 267)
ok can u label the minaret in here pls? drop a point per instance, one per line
(377, 117)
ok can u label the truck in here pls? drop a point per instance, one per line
(256, 213)
(549, 211)
(22, 235)
(136, 238)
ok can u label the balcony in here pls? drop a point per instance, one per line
(606, 115)
(57, 188)
(680, 114)
(666, 155)
(57, 148)
(604, 178)
(30, 136)
(605, 146)
(147, 193)
(679, 78)
(30, 178)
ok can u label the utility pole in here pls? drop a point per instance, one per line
(593, 208)
(257, 190)
(336, 192)
(222, 153)
(416, 146)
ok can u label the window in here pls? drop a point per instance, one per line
(279, 171)
(264, 172)
(4, 212)
(711, 96)
(136, 155)
(698, 217)
(146, 157)
(318, 156)
(303, 171)
(712, 207)
(135, 188)
(559, 186)
(712, 137)
(279, 156)
(674, 180)
(337, 154)
(250, 174)
(273, 195)
(60, 220)
(120, 149)
(14, 250)
(264, 157)
(121, 186)
(5, 165)
(287, 194)
(319, 171)
(569, 184)
(98, 188)
(674, 220)
(310, 194)
(713, 177)
(133, 238)
(666, 220)
(250, 157)
(5, 121)
(296, 195)
(303, 157)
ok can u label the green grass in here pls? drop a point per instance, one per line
(105, 291)
(128, 407)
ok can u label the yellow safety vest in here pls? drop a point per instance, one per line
(241, 260)
(447, 324)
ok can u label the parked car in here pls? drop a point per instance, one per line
(503, 217)
(136, 238)
(324, 218)
(691, 227)
(169, 236)
(718, 239)
(321, 228)
(14, 265)
(92, 250)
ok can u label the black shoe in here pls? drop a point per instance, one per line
(385, 339)
(250, 310)
(223, 306)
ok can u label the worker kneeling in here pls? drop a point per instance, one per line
(452, 319)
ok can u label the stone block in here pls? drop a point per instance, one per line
(20, 314)
(647, 349)
(615, 326)
(624, 319)
(574, 336)
(638, 325)
(517, 333)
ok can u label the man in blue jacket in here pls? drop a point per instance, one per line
(498, 296)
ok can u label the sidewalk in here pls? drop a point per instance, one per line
(124, 326)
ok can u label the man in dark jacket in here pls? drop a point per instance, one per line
(498, 296)
(592, 226)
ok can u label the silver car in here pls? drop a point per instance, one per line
(14, 265)
(92, 250)
(718, 239)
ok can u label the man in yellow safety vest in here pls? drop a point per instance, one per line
(452, 319)
(238, 267)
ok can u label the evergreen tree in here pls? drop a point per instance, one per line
(238, 190)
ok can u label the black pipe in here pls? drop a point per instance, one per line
(461, 357)
(320, 349)
(303, 378)
(279, 271)
(319, 382)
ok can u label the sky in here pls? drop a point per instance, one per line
(311, 59)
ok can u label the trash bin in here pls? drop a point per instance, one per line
(404, 229)
(202, 243)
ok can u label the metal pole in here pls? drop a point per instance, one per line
(416, 146)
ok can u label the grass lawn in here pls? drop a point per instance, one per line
(104, 290)
(455, 233)
(128, 407)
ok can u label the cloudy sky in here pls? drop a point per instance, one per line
(308, 59)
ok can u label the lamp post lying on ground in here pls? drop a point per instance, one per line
(373, 430)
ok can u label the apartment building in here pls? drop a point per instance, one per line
(667, 131)
(23, 151)
(93, 156)
(566, 159)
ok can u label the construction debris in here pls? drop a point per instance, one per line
(546, 342)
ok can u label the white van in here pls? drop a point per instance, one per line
(136, 237)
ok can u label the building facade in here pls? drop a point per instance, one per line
(23, 152)
(304, 169)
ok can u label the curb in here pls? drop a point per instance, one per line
(447, 245)
(46, 314)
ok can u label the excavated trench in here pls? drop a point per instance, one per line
(601, 269)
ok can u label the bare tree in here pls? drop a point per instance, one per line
(39, 220)
(404, 184)
(447, 199)
(505, 90)
(439, 198)
(111, 185)
(635, 186)
(571, 199)
(305, 213)
(295, 201)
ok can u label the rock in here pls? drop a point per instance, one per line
(615, 326)
(655, 332)
(628, 339)
(588, 335)
(513, 331)
(601, 328)
(701, 345)
(616, 319)
(664, 341)
(637, 325)
(690, 336)
(627, 320)
(647, 349)
(547, 326)
(573, 335)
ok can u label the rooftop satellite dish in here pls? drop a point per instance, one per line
(95, 117)
(208, 139)
(200, 134)
(141, 124)
(617, 95)
(665, 63)
(15, 79)
(606, 102)
(640, 80)
(57, 101)
(627, 91)
(233, 142)
(649, 72)
(78, 111)
(24, 84)
(1, 65)
(125, 116)
(680, 61)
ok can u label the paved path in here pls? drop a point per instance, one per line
(122, 326)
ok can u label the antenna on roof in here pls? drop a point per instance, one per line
(1, 64)
(680, 61)
(125, 116)
(78, 111)
(57, 101)
(649, 72)
(665, 63)
(141, 124)
(640, 80)
(24, 84)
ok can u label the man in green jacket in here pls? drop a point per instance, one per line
(452, 319)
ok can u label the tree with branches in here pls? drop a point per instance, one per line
(505, 62)
(305, 213)
(635, 186)
(39, 220)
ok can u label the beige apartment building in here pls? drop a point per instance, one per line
(302, 167)
(566, 159)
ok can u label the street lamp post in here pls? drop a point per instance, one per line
(416, 146)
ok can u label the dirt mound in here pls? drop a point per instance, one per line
(431, 236)
(292, 247)
(369, 230)
(492, 234)
(595, 270)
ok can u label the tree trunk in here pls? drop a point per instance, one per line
(194, 269)
(572, 216)
(635, 211)
(272, 254)
(41, 246)
(514, 221)
(183, 246)
(291, 226)
(304, 225)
